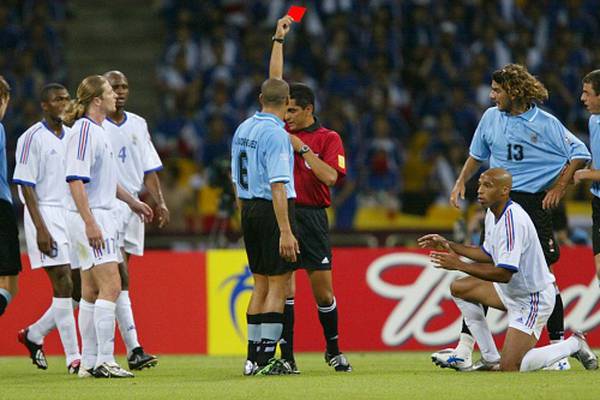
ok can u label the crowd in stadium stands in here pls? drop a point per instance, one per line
(32, 36)
(403, 82)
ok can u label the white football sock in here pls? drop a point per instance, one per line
(89, 343)
(465, 346)
(126, 322)
(475, 320)
(104, 321)
(65, 322)
(542, 357)
(42, 327)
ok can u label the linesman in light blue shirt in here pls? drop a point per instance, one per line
(539, 152)
(262, 165)
(10, 259)
(590, 97)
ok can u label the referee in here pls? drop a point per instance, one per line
(10, 259)
(541, 154)
(319, 163)
(262, 165)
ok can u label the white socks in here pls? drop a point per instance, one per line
(89, 343)
(65, 322)
(466, 344)
(126, 322)
(542, 357)
(104, 321)
(43, 326)
(475, 320)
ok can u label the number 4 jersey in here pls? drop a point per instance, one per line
(534, 146)
(134, 152)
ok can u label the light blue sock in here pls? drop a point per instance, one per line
(5, 298)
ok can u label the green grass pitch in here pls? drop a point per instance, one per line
(405, 375)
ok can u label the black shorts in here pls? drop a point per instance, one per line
(10, 257)
(542, 220)
(261, 237)
(559, 217)
(596, 224)
(313, 236)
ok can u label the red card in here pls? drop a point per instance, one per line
(297, 12)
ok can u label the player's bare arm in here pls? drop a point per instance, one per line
(152, 182)
(92, 230)
(139, 207)
(276, 61)
(323, 171)
(558, 190)
(44, 238)
(586, 174)
(440, 243)
(469, 168)
(485, 271)
(288, 245)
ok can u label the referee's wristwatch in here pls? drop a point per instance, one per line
(304, 149)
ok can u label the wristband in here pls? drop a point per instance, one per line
(276, 39)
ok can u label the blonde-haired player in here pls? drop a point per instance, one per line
(92, 176)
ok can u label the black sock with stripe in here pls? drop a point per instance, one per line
(328, 316)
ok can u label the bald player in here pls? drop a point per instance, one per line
(262, 170)
(508, 272)
(138, 164)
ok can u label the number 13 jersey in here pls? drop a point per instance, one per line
(533, 146)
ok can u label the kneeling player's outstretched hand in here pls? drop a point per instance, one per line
(449, 261)
(434, 242)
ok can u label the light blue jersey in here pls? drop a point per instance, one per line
(594, 126)
(533, 146)
(4, 188)
(262, 154)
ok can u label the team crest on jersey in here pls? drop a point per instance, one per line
(534, 138)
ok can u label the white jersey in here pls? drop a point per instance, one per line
(135, 154)
(513, 243)
(90, 159)
(40, 163)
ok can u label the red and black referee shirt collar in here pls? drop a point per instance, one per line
(315, 125)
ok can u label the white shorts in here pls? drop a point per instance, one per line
(82, 254)
(529, 313)
(54, 218)
(131, 230)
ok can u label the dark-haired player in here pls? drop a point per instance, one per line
(542, 155)
(319, 163)
(40, 174)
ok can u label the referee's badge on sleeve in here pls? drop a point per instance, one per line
(341, 161)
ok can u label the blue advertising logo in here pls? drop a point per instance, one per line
(241, 283)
